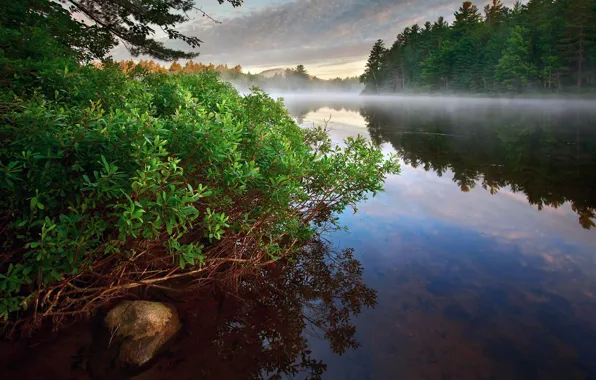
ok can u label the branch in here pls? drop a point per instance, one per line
(207, 15)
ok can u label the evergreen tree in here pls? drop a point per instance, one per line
(440, 32)
(40, 29)
(299, 78)
(493, 13)
(466, 18)
(543, 20)
(467, 55)
(544, 44)
(515, 69)
(372, 77)
(437, 68)
(578, 36)
(301, 72)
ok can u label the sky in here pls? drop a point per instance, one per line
(330, 38)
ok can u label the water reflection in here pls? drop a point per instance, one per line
(481, 267)
(454, 303)
(259, 329)
(262, 331)
(471, 281)
(545, 151)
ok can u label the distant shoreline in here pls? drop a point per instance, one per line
(563, 98)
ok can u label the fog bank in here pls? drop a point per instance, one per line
(354, 101)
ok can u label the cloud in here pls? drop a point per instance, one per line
(316, 33)
(311, 32)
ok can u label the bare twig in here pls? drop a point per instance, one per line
(205, 14)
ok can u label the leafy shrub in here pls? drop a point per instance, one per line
(112, 182)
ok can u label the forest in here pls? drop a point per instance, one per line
(545, 46)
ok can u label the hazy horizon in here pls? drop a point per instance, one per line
(355, 99)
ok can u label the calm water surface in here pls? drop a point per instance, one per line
(482, 253)
(483, 249)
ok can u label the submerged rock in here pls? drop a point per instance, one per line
(140, 329)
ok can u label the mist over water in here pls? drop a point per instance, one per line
(483, 249)
(354, 101)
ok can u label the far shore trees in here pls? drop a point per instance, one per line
(538, 46)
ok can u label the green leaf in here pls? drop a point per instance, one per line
(57, 276)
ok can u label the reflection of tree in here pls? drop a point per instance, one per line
(374, 124)
(257, 330)
(586, 216)
(302, 107)
(300, 114)
(550, 157)
(261, 331)
(300, 110)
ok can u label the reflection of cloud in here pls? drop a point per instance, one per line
(517, 235)
(499, 215)
(337, 120)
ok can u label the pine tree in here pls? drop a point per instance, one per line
(494, 13)
(301, 72)
(393, 68)
(515, 69)
(372, 77)
(544, 20)
(466, 18)
(440, 31)
(578, 35)
(544, 43)
(437, 68)
(108, 22)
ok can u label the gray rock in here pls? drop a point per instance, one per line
(140, 329)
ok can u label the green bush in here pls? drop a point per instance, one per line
(110, 182)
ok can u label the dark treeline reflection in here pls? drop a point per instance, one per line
(257, 329)
(547, 153)
(262, 331)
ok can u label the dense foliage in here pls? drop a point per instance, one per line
(130, 22)
(112, 182)
(544, 45)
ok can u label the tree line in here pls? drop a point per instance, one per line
(295, 80)
(290, 79)
(541, 46)
(190, 67)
